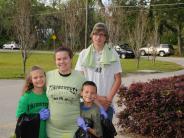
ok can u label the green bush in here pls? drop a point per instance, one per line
(155, 108)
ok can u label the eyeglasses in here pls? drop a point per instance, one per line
(99, 34)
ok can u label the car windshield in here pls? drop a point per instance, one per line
(126, 47)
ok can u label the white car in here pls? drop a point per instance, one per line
(161, 50)
(11, 45)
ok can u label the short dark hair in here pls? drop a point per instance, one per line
(100, 27)
(91, 83)
(64, 48)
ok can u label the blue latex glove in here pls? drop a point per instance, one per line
(103, 112)
(44, 114)
(81, 123)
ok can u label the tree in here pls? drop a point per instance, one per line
(75, 19)
(116, 20)
(172, 20)
(24, 29)
(6, 28)
(137, 33)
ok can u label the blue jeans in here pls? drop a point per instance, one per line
(110, 112)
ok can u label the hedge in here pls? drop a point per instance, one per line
(154, 108)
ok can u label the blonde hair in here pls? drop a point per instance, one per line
(28, 81)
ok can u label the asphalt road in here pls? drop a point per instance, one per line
(11, 90)
(10, 93)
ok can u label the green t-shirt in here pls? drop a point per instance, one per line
(93, 113)
(31, 103)
(63, 93)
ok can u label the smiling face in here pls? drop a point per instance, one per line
(63, 62)
(38, 78)
(89, 94)
(99, 39)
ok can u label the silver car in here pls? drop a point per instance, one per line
(161, 50)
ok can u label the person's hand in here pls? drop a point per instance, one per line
(104, 101)
(103, 112)
(44, 114)
(81, 123)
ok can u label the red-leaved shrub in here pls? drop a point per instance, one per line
(155, 108)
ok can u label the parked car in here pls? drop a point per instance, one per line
(11, 45)
(161, 50)
(124, 51)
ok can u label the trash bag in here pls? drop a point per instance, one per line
(80, 133)
(108, 128)
(28, 126)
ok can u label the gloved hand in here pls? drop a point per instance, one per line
(81, 123)
(103, 112)
(44, 113)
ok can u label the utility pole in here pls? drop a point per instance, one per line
(86, 25)
(66, 35)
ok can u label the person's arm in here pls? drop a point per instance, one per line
(115, 87)
(92, 131)
(102, 100)
(22, 106)
(106, 101)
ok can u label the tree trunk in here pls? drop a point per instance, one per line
(138, 62)
(179, 39)
(24, 56)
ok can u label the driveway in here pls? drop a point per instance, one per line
(11, 90)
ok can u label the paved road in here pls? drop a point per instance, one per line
(10, 92)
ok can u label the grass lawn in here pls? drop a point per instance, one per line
(130, 65)
(11, 64)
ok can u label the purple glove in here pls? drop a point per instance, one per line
(81, 124)
(44, 114)
(103, 112)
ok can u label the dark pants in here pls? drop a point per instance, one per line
(110, 112)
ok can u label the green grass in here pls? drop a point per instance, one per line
(11, 64)
(130, 66)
